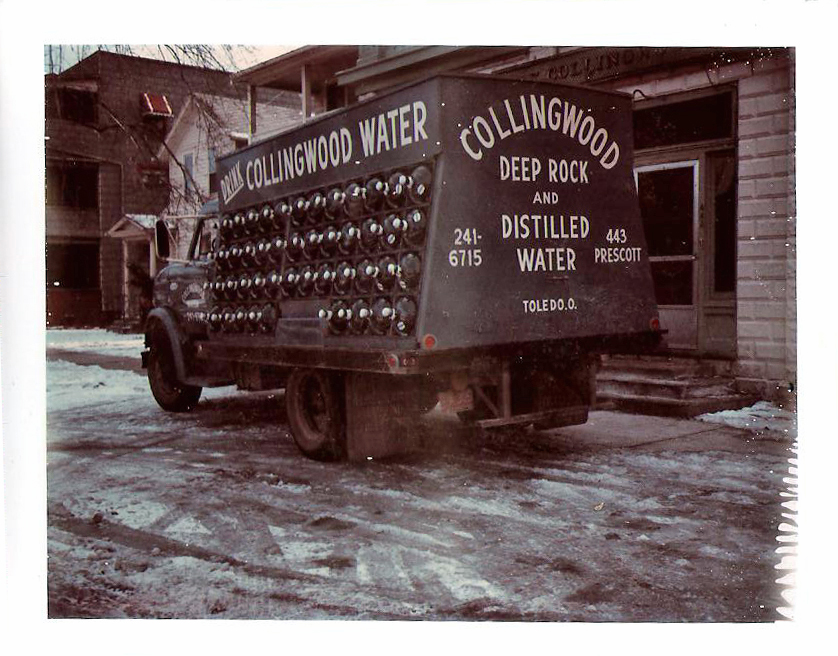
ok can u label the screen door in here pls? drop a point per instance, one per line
(669, 208)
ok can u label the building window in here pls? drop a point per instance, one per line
(688, 121)
(73, 266)
(73, 185)
(188, 167)
(239, 140)
(73, 105)
(213, 176)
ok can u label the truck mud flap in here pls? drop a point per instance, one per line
(381, 414)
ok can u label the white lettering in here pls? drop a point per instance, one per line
(248, 173)
(476, 155)
(322, 152)
(334, 148)
(503, 134)
(420, 113)
(345, 145)
(558, 116)
(404, 125)
(367, 129)
(483, 132)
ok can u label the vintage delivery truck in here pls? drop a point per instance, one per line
(465, 240)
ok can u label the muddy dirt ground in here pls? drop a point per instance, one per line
(216, 514)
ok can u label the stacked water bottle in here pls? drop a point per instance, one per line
(357, 248)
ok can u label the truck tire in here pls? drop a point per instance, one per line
(315, 406)
(170, 394)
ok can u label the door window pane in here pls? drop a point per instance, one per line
(722, 174)
(666, 206)
(673, 282)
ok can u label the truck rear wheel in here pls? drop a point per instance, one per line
(315, 406)
(170, 394)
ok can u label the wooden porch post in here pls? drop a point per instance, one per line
(305, 90)
(251, 104)
(125, 279)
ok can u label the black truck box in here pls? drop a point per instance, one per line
(516, 221)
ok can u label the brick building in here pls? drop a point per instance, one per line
(105, 120)
(714, 166)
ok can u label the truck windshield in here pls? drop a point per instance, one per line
(203, 239)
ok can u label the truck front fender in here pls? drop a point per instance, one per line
(166, 319)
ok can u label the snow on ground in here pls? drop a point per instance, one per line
(95, 340)
(72, 385)
(215, 514)
(762, 417)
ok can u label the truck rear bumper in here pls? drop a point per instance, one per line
(571, 416)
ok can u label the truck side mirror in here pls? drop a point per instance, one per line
(161, 239)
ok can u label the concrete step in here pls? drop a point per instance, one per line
(672, 367)
(670, 407)
(642, 384)
(668, 386)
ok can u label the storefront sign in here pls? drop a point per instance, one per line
(593, 64)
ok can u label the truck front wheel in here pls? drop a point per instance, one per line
(162, 376)
(315, 406)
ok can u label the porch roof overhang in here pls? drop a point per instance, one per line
(420, 61)
(283, 72)
(134, 227)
